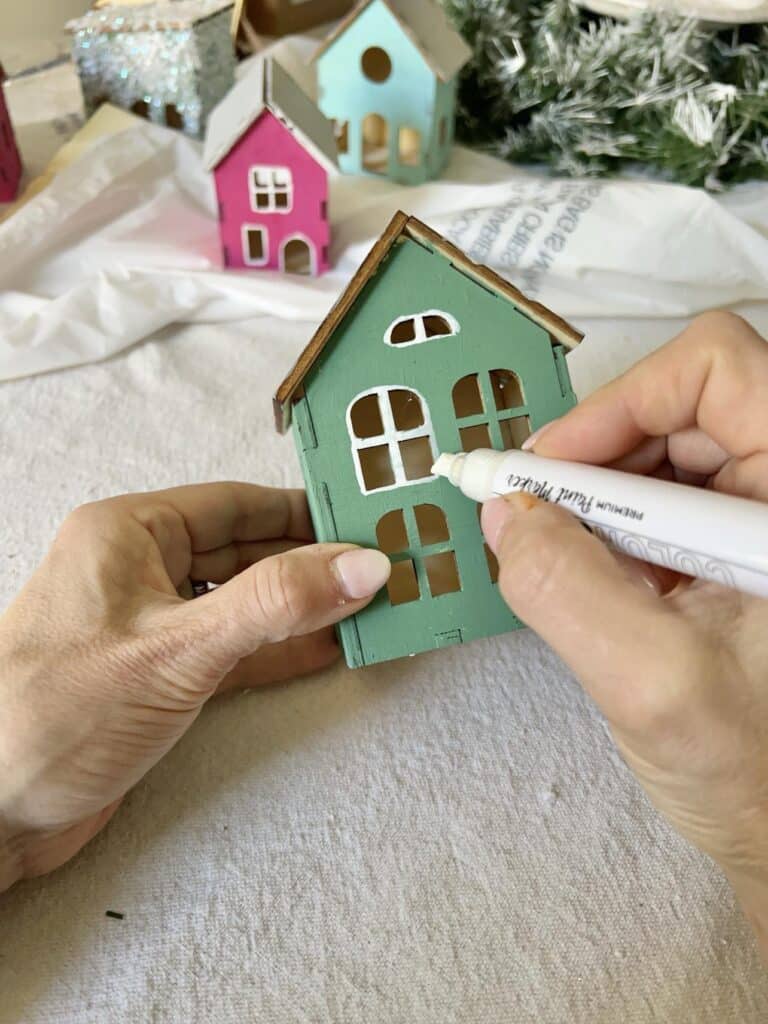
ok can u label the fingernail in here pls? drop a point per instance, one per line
(536, 436)
(362, 572)
(498, 512)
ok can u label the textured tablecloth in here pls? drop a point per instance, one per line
(441, 839)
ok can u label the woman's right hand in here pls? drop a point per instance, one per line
(681, 675)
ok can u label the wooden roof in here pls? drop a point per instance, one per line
(403, 226)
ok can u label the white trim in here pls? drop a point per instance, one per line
(271, 188)
(244, 229)
(420, 330)
(391, 437)
(300, 237)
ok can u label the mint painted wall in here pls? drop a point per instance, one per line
(493, 335)
(412, 96)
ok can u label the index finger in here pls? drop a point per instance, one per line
(713, 376)
(218, 514)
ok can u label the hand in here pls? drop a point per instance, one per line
(103, 666)
(681, 675)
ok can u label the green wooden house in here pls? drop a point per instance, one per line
(425, 352)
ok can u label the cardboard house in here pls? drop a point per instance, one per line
(271, 152)
(170, 61)
(387, 78)
(10, 161)
(425, 352)
(279, 17)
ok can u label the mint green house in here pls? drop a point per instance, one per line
(387, 79)
(425, 352)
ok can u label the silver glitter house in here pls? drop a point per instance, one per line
(170, 62)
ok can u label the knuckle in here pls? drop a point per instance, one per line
(82, 520)
(720, 329)
(280, 596)
(662, 704)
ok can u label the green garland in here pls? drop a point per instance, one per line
(592, 96)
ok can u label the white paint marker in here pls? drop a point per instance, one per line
(694, 531)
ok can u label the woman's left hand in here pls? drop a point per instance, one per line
(104, 664)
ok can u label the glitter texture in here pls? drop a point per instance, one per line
(170, 62)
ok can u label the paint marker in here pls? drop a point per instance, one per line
(694, 531)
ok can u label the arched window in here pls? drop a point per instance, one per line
(413, 329)
(491, 411)
(418, 542)
(392, 441)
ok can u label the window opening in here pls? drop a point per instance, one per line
(173, 116)
(254, 245)
(140, 108)
(297, 257)
(341, 131)
(376, 64)
(375, 144)
(409, 146)
(491, 411)
(392, 442)
(271, 189)
(423, 558)
(419, 327)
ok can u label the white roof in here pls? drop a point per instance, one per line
(268, 87)
(426, 22)
(147, 17)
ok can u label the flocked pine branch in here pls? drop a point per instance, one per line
(591, 95)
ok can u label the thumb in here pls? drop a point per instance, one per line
(287, 595)
(610, 626)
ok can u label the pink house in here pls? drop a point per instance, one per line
(10, 162)
(271, 152)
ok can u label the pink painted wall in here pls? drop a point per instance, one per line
(269, 142)
(10, 163)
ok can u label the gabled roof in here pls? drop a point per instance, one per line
(427, 24)
(109, 16)
(402, 226)
(268, 87)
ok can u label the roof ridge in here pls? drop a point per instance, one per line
(400, 225)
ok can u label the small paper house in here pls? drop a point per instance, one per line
(278, 17)
(271, 151)
(425, 352)
(10, 162)
(387, 79)
(170, 62)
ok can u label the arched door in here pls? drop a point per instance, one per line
(297, 257)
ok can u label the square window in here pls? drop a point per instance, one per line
(514, 431)
(432, 525)
(442, 573)
(403, 585)
(366, 417)
(391, 534)
(403, 332)
(406, 410)
(417, 457)
(262, 200)
(376, 467)
(507, 389)
(281, 200)
(467, 399)
(475, 437)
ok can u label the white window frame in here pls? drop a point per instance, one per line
(419, 329)
(392, 437)
(271, 170)
(244, 229)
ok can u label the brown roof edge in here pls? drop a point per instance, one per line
(322, 335)
(402, 224)
(542, 315)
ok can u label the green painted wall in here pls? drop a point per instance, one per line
(493, 335)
